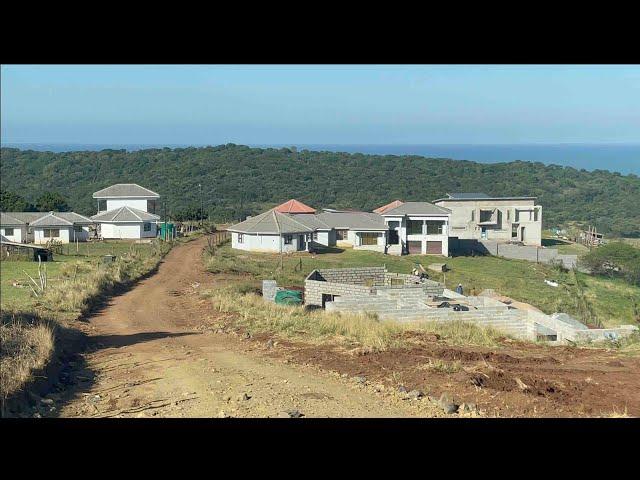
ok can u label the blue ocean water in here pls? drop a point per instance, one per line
(622, 158)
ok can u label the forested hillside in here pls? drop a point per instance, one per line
(238, 180)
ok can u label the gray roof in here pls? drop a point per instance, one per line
(43, 218)
(125, 190)
(417, 208)
(466, 196)
(353, 220)
(311, 220)
(125, 214)
(478, 196)
(273, 222)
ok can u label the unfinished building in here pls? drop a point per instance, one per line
(408, 298)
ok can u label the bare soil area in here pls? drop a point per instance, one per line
(153, 351)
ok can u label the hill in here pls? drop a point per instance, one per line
(238, 180)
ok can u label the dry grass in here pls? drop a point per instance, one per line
(442, 366)
(317, 326)
(27, 345)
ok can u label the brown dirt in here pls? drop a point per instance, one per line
(155, 351)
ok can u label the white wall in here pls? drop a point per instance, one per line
(65, 234)
(120, 230)
(19, 234)
(139, 203)
(263, 243)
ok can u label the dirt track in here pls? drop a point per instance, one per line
(147, 357)
(153, 352)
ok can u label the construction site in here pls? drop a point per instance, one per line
(414, 298)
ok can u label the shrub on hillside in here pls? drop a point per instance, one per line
(615, 259)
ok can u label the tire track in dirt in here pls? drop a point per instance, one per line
(146, 358)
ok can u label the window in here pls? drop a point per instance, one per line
(51, 232)
(288, 239)
(434, 227)
(414, 227)
(486, 215)
(152, 206)
(341, 234)
(514, 230)
(535, 215)
(77, 228)
(315, 236)
(102, 205)
(508, 214)
(240, 238)
(473, 215)
(8, 232)
(146, 227)
(369, 238)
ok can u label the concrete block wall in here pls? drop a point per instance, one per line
(269, 290)
(358, 275)
(314, 289)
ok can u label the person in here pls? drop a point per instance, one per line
(459, 289)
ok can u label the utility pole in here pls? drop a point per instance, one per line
(201, 206)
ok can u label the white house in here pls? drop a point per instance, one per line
(40, 227)
(417, 227)
(127, 211)
(126, 223)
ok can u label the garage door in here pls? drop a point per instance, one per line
(434, 247)
(414, 246)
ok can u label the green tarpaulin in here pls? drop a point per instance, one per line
(289, 297)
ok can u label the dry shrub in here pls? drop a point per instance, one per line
(26, 345)
(352, 329)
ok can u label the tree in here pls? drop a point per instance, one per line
(52, 202)
(12, 202)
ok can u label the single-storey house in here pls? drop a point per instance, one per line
(127, 211)
(40, 227)
(412, 227)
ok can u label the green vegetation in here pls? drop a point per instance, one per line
(76, 282)
(238, 180)
(592, 299)
(614, 260)
(249, 310)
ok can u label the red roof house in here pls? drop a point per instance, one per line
(294, 206)
(388, 206)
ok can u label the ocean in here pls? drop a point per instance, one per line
(622, 158)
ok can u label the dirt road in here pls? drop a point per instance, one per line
(147, 356)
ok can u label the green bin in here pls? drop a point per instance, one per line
(289, 297)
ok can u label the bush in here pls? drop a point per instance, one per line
(615, 259)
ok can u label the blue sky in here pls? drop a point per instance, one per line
(367, 104)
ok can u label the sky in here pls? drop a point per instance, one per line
(320, 104)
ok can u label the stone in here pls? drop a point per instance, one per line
(37, 415)
(290, 414)
(46, 401)
(468, 407)
(402, 389)
(449, 407)
(415, 395)
(246, 335)
(244, 397)
(360, 379)
(270, 343)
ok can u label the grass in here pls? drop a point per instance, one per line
(609, 300)
(565, 247)
(76, 282)
(442, 366)
(27, 344)
(248, 309)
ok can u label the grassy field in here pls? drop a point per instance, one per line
(88, 257)
(76, 280)
(592, 299)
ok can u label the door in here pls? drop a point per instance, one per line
(483, 233)
(434, 248)
(393, 237)
(302, 244)
(523, 236)
(414, 247)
